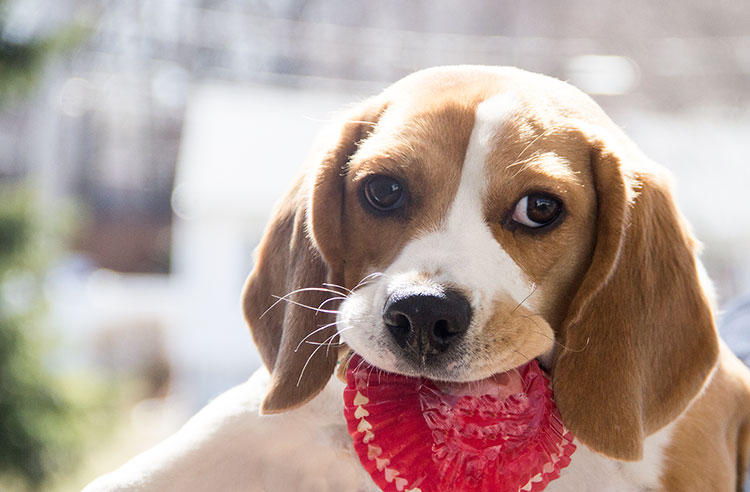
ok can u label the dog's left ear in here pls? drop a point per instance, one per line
(639, 340)
(302, 250)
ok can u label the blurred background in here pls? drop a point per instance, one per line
(144, 142)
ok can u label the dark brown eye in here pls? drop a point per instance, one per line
(384, 193)
(537, 210)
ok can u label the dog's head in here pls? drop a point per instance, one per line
(470, 219)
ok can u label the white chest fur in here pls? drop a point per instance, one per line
(589, 471)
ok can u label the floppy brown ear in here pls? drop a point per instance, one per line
(302, 249)
(639, 338)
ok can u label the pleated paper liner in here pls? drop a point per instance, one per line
(502, 434)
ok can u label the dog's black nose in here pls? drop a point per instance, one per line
(426, 323)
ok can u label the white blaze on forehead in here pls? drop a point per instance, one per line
(463, 252)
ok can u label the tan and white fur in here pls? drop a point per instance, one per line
(611, 298)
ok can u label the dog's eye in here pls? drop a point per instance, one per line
(537, 210)
(384, 193)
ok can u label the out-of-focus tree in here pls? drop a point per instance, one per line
(38, 427)
(35, 417)
(22, 57)
(20, 61)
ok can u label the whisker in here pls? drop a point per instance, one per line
(533, 319)
(331, 299)
(326, 284)
(367, 278)
(515, 349)
(533, 289)
(359, 364)
(535, 313)
(306, 363)
(575, 351)
(342, 366)
(348, 360)
(369, 374)
(314, 332)
(305, 289)
(516, 371)
(317, 310)
(372, 275)
(363, 284)
(328, 341)
(338, 333)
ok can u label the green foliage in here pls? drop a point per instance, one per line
(39, 423)
(44, 416)
(22, 61)
(19, 64)
(19, 61)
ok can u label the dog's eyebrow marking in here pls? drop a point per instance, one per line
(550, 164)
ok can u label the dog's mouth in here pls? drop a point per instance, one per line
(500, 384)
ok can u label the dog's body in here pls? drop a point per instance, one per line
(465, 221)
(228, 446)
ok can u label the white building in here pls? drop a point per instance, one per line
(241, 150)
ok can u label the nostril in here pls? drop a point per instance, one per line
(400, 327)
(401, 323)
(442, 330)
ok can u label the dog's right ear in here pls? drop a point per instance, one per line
(291, 316)
(639, 340)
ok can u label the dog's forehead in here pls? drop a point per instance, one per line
(542, 98)
(432, 114)
(471, 85)
(492, 130)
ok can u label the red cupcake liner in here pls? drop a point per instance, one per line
(413, 435)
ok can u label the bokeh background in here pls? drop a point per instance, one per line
(144, 142)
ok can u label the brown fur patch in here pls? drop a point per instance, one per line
(514, 331)
(706, 452)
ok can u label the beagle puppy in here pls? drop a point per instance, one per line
(461, 223)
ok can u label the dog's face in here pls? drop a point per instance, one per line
(470, 219)
(465, 231)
